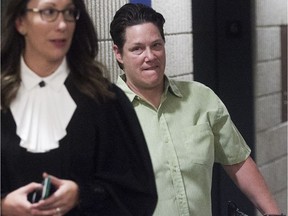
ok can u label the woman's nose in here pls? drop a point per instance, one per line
(62, 23)
(149, 55)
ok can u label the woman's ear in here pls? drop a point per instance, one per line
(117, 54)
(20, 26)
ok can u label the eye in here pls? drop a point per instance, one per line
(137, 50)
(70, 12)
(49, 12)
(157, 45)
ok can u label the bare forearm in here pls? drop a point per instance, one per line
(249, 180)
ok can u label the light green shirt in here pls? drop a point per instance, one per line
(189, 131)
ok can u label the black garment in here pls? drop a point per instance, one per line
(104, 152)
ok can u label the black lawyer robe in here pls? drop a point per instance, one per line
(104, 152)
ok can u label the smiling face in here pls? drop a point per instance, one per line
(143, 57)
(46, 41)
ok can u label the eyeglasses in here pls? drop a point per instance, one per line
(51, 14)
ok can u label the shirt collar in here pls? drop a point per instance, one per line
(55, 81)
(170, 85)
(121, 82)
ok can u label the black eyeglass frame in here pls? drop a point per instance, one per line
(65, 15)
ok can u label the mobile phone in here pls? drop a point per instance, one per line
(44, 193)
(46, 188)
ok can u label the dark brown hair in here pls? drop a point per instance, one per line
(133, 14)
(86, 73)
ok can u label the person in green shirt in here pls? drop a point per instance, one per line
(186, 126)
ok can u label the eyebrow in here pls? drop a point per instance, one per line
(155, 41)
(54, 4)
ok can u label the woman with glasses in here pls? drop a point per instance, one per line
(63, 121)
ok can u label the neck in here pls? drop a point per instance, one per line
(42, 68)
(151, 95)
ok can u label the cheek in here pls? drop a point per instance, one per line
(37, 32)
(161, 55)
(136, 63)
(162, 59)
(132, 60)
(33, 36)
(72, 31)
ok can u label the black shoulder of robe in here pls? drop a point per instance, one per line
(104, 152)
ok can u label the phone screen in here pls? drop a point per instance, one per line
(46, 188)
(42, 194)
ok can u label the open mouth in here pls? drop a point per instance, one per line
(59, 42)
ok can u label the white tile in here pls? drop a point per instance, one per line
(178, 15)
(268, 77)
(268, 43)
(267, 112)
(271, 12)
(179, 54)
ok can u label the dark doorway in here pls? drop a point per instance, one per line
(222, 38)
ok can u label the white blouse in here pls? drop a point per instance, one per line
(42, 109)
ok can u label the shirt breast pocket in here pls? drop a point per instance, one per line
(198, 144)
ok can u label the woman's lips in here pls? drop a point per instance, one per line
(59, 42)
(151, 68)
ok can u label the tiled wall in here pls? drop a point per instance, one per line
(102, 12)
(178, 30)
(271, 131)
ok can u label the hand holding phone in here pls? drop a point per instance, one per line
(44, 193)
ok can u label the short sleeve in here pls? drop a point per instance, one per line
(230, 146)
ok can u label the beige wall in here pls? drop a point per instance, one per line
(102, 12)
(271, 131)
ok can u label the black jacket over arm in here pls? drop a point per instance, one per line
(104, 152)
